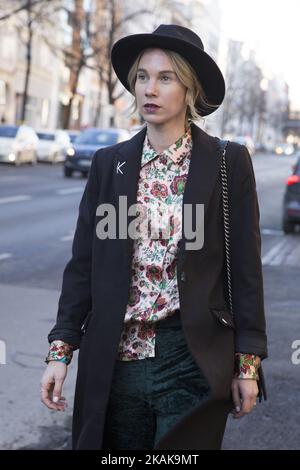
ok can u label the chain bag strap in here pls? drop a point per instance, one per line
(226, 220)
(225, 202)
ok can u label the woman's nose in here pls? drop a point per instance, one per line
(151, 88)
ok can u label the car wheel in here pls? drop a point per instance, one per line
(288, 227)
(17, 161)
(68, 172)
(34, 160)
(54, 159)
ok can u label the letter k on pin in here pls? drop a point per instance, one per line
(119, 166)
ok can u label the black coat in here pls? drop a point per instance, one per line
(96, 284)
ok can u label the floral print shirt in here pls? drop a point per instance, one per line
(153, 291)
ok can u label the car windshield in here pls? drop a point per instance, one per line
(45, 136)
(94, 137)
(8, 131)
(73, 137)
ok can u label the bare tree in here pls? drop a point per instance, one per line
(242, 104)
(31, 16)
(233, 87)
(109, 21)
(14, 7)
(95, 26)
(75, 55)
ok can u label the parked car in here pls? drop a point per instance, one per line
(291, 201)
(52, 145)
(284, 149)
(260, 147)
(73, 135)
(247, 141)
(18, 144)
(79, 156)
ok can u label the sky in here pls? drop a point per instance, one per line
(272, 29)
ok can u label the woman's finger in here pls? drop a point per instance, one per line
(45, 395)
(57, 390)
(236, 398)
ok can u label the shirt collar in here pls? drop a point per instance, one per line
(177, 151)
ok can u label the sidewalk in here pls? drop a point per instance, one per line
(28, 315)
(275, 424)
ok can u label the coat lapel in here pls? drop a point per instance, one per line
(127, 165)
(204, 169)
(203, 172)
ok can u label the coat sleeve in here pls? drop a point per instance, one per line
(246, 269)
(75, 299)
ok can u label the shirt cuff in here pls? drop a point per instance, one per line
(60, 351)
(246, 366)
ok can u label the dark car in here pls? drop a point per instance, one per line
(73, 135)
(291, 202)
(79, 156)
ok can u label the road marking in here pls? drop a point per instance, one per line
(293, 258)
(5, 200)
(275, 253)
(271, 231)
(67, 238)
(63, 192)
(5, 256)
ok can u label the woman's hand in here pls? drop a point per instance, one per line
(244, 394)
(51, 386)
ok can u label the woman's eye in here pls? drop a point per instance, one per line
(165, 78)
(141, 76)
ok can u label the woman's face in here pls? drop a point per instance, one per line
(159, 94)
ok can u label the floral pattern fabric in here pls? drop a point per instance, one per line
(60, 351)
(247, 366)
(153, 291)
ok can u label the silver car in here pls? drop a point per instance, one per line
(18, 144)
(52, 145)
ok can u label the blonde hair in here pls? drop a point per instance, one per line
(195, 95)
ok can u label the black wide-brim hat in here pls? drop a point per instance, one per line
(178, 39)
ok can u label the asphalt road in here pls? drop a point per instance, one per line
(38, 212)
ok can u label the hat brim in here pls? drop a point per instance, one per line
(126, 50)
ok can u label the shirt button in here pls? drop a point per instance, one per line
(183, 276)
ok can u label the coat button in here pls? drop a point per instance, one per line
(224, 321)
(183, 277)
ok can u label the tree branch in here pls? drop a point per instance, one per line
(22, 7)
(131, 16)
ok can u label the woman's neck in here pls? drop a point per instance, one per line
(161, 137)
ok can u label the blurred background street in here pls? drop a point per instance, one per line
(59, 102)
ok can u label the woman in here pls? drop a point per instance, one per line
(161, 361)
